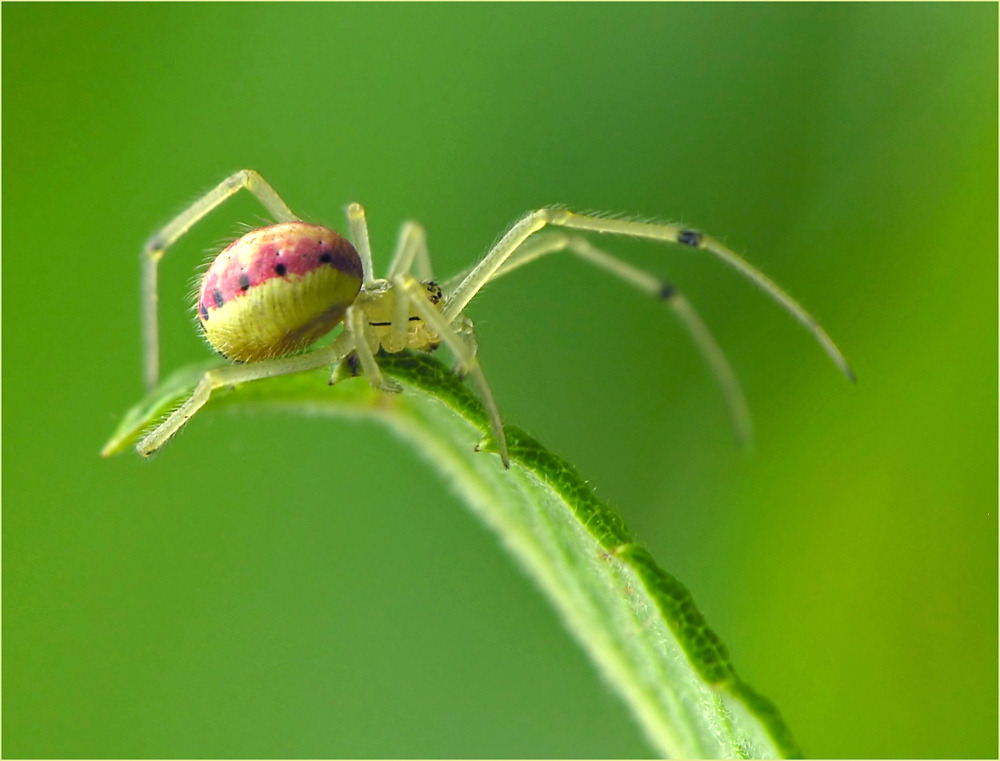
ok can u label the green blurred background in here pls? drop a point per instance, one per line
(280, 586)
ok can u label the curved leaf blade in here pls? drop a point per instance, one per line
(638, 623)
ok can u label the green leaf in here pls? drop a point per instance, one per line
(638, 623)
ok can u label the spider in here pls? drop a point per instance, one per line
(278, 289)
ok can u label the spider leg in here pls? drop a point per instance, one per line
(531, 223)
(466, 330)
(355, 320)
(232, 375)
(417, 295)
(549, 243)
(364, 347)
(157, 245)
(357, 222)
(411, 251)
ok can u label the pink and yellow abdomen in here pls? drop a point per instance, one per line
(277, 290)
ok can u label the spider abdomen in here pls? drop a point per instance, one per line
(277, 289)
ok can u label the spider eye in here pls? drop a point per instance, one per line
(433, 291)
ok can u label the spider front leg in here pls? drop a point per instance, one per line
(466, 330)
(549, 243)
(416, 293)
(233, 375)
(170, 233)
(531, 223)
